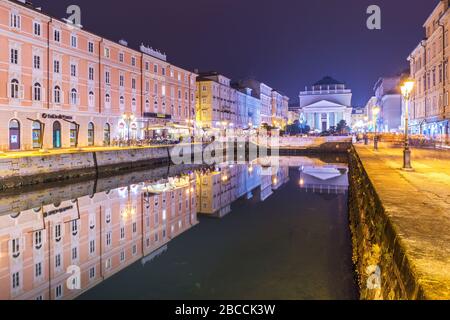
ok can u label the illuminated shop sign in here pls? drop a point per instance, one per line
(56, 116)
(157, 115)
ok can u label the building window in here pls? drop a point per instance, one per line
(15, 247)
(91, 47)
(121, 81)
(16, 280)
(122, 256)
(121, 57)
(14, 89)
(122, 102)
(14, 56)
(15, 20)
(147, 66)
(74, 228)
(37, 29)
(92, 246)
(109, 238)
(133, 84)
(74, 97)
(133, 104)
(155, 68)
(107, 77)
(106, 52)
(91, 140)
(38, 240)
(91, 73)
(37, 92)
(92, 273)
(74, 253)
(58, 261)
(57, 36)
(37, 62)
(133, 61)
(122, 233)
(56, 66)
(73, 70)
(58, 291)
(38, 270)
(163, 71)
(57, 95)
(91, 99)
(108, 100)
(58, 233)
(73, 41)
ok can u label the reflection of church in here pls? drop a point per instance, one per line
(330, 179)
(325, 104)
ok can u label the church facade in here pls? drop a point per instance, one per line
(325, 104)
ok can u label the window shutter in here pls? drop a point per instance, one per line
(21, 92)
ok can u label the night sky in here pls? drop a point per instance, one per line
(287, 44)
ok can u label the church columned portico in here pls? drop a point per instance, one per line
(326, 104)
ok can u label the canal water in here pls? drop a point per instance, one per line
(232, 231)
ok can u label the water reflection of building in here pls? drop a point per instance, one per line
(216, 190)
(101, 234)
(331, 179)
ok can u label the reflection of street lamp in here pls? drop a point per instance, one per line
(407, 88)
(128, 118)
(375, 112)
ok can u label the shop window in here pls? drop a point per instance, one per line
(14, 135)
(57, 135)
(91, 135)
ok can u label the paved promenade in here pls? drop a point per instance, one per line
(418, 204)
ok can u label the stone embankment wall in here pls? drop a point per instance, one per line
(44, 168)
(380, 259)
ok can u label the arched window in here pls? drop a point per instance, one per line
(91, 99)
(122, 102)
(14, 89)
(14, 135)
(107, 100)
(133, 104)
(74, 97)
(107, 134)
(91, 134)
(147, 105)
(37, 92)
(57, 95)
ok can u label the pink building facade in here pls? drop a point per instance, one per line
(64, 87)
(97, 235)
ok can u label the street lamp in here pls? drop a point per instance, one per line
(375, 112)
(407, 88)
(128, 118)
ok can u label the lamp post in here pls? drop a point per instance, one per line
(407, 88)
(375, 112)
(128, 118)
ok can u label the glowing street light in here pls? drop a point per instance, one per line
(407, 88)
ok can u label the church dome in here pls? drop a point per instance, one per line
(328, 81)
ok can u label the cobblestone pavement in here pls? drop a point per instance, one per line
(418, 203)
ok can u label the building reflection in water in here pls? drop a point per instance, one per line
(101, 234)
(330, 179)
(42, 248)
